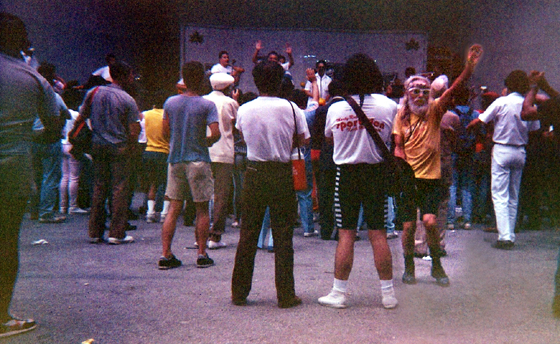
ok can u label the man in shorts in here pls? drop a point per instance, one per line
(417, 140)
(185, 118)
(360, 179)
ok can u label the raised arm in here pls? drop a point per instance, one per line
(537, 80)
(529, 110)
(543, 85)
(258, 47)
(310, 74)
(290, 57)
(473, 57)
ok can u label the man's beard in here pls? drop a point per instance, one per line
(418, 110)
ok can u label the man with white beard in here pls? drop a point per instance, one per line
(417, 140)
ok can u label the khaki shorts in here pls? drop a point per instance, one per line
(195, 176)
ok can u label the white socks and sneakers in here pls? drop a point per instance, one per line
(337, 297)
(164, 211)
(151, 213)
(388, 294)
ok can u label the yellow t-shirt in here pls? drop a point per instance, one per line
(421, 137)
(153, 120)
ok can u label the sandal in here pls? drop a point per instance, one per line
(16, 326)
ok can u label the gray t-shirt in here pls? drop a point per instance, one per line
(24, 96)
(112, 110)
(188, 118)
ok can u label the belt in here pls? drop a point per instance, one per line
(267, 164)
(509, 145)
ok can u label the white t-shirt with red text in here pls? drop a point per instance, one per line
(352, 143)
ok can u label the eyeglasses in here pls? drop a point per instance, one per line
(417, 91)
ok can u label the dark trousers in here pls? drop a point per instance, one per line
(266, 184)
(326, 184)
(15, 186)
(238, 176)
(222, 190)
(110, 179)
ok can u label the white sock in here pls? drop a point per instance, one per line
(165, 207)
(388, 298)
(387, 287)
(151, 207)
(340, 285)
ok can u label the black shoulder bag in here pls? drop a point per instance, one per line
(80, 136)
(400, 176)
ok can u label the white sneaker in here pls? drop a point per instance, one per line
(389, 301)
(213, 245)
(76, 210)
(162, 217)
(151, 218)
(392, 235)
(126, 240)
(335, 299)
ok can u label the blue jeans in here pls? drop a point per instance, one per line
(462, 179)
(47, 169)
(304, 197)
(264, 231)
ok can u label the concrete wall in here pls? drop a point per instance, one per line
(387, 48)
(75, 35)
(517, 35)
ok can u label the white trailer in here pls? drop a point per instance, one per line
(393, 51)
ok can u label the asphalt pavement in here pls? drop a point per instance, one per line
(77, 292)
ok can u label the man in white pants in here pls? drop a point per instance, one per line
(511, 134)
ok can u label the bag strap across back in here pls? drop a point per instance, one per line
(296, 136)
(87, 113)
(387, 156)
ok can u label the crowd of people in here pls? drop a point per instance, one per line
(212, 150)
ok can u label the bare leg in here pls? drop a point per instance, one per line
(432, 233)
(409, 229)
(202, 226)
(381, 254)
(430, 222)
(344, 256)
(152, 192)
(168, 229)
